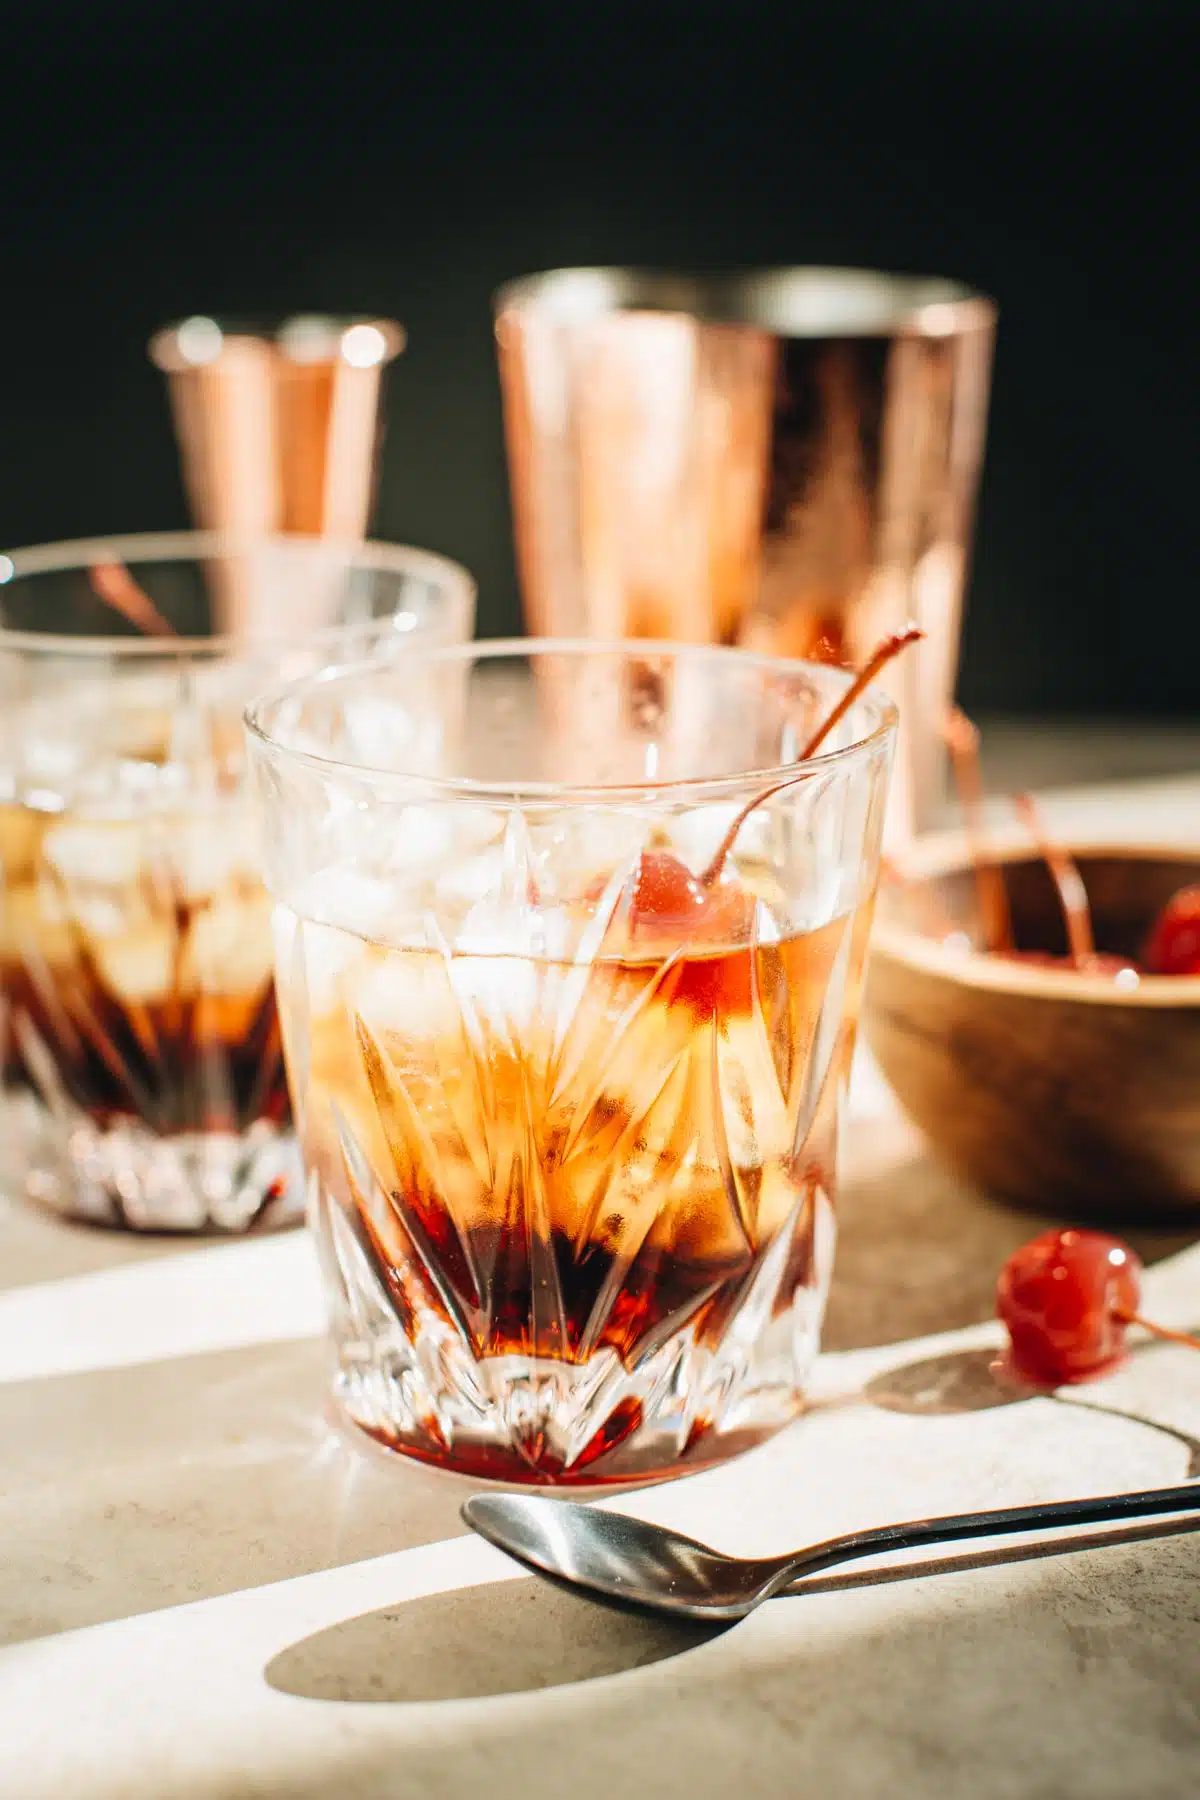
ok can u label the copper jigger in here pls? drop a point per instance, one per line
(279, 430)
(785, 460)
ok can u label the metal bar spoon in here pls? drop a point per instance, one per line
(618, 1558)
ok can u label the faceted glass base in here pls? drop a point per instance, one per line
(667, 1407)
(124, 1175)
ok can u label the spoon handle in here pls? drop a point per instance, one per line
(1103, 1509)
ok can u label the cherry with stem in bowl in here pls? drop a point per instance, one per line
(1173, 946)
(1082, 954)
(962, 740)
(1067, 1300)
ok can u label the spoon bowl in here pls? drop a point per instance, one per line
(616, 1557)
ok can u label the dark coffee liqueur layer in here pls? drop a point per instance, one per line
(127, 996)
(191, 1063)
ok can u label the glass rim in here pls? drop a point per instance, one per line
(203, 546)
(315, 337)
(462, 787)
(796, 301)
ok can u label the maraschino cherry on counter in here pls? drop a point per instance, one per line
(1068, 1299)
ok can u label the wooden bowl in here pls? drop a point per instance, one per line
(1057, 1090)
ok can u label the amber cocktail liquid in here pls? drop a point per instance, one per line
(571, 1118)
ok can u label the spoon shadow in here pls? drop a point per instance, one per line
(479, 1643)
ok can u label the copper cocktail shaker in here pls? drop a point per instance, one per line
(785, 460)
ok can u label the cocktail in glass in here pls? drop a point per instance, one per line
(143, 1081)
(568, 1071)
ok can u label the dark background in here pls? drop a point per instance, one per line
(258, 157)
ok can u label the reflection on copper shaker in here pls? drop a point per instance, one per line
(278, 431)
(784, 460)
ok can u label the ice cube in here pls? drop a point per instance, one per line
(96, 854)
(504, 927)
(383, 734)
(577, 848)
(639, 1048)
(509, 959)
(137, 966)
(501, 992)
(19, 832)
(416, 836)
(44, 758)
(405, 993)
(422, 839)
(206, 852)
(479, 869)
(328, 953)
(753, 1108)
(284, 927)
(29, 928)
(697, 835)
(768, 927)
(347, 898)
(471, 879)
(227, 950)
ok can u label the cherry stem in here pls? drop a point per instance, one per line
(1158, 1331)
(1065, 872)
(962, 741)
(878, 660)
(113, 584)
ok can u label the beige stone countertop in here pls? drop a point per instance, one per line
(207, 1592)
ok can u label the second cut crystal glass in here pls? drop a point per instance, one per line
(568, 1077)
(142, 1075)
